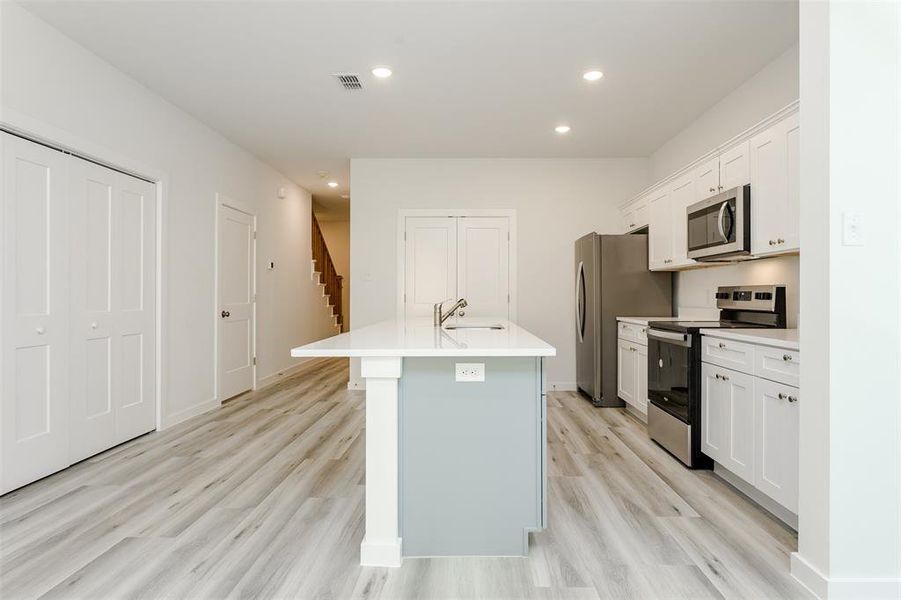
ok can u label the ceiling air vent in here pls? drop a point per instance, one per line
(349, 81)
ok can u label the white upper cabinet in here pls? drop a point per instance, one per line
(707, 179)
(682, 195)
(635, 215)
(775, 205)
(660, 230)
(735, 168)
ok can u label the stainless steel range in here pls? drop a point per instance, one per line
(674, 365)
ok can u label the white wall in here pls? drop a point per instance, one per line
(774, 87)
(337, 238)
(849, 543)
(52, 83)
(557, 201)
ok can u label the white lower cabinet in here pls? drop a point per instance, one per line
(727, 410)
(632, 366)
(776, 456)
(750, 426)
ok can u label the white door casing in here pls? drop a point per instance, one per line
(235, 291)
(430, 264)
(483, 263)
(34, 415)
(113, 312)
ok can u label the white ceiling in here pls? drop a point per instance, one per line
(471, 79)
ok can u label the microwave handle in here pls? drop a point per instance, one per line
(719, 221)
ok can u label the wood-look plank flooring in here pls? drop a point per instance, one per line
(263, 498)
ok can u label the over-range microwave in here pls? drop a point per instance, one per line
(719, 228)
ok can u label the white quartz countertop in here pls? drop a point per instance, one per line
(779, 338)
(644, 320)
(419, 337)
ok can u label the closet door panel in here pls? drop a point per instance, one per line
(33, 329)
(483, 266)
(430, 264)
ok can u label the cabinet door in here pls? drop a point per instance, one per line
(777, 425)
(483, 267)
(641, 214)
(660, 231)
(34, 397)
(641, 376)
(727, 409)
(775, 197)
(626, 371)
(707, 179)
(735, 168)
(682, 194)
(430, 265)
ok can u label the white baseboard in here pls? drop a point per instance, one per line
(356, 384)
(279, 375)
(843, 588)
(381, 554)
(168, 421)
(561, 386)
(761, 499)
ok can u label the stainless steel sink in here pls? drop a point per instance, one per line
(473, 326)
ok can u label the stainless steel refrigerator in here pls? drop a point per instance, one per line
(612, 279)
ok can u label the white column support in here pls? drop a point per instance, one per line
(381, 546)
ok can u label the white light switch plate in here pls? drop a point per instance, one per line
(852, 229)
(470, 372)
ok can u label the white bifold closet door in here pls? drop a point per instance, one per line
(457, 257)
(34, 406)
(78, 310)
(113, 325)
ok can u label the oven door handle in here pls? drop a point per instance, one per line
(680, 339)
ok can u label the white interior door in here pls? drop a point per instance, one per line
(430, 263)
(34, 397)
(235, 310)
(483, 266)
(113, 313)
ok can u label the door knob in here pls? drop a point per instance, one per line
(225, 313)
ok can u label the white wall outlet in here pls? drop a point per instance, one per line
(470, 371)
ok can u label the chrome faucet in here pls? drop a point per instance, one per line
(439, 316)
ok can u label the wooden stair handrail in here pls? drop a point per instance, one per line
(326, 268)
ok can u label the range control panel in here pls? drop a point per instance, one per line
(750, 297)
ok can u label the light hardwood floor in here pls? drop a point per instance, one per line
(263, 498)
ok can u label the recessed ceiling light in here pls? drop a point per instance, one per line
(333, 184)
(592, 75)
(381, 72)
(562, 128)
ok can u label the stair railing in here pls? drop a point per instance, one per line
(327, 273)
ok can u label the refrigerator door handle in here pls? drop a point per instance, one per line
(580, 301)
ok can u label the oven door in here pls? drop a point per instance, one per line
(669, 372)
(719, 227)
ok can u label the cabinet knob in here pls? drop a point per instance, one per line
(792, 399)
(461, 313)
(781, 396)
(94, 325)
(722, 345)
(712, 189)
(780, 241)
(225, 314)
(786, 357)
(40, 330)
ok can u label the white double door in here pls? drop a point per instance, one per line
(457, 257)
(78, 310)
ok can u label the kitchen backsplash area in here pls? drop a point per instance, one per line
(694, 289)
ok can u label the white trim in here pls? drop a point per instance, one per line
(744, 136)
(356, 384)
(227, 201)
(66, 141)
(562, 386)
(281, 374)
(403, 213)
(381, 554)
(842, 588)
(189, 413)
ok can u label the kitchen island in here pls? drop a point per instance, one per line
(455, 449)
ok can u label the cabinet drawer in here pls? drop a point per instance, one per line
(783, 366)
(633, 333)
(728, 353)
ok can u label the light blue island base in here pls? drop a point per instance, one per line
(472, 457)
